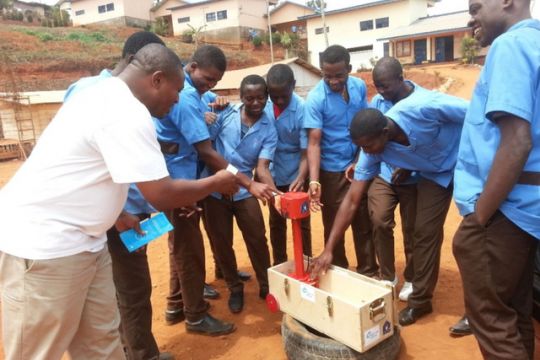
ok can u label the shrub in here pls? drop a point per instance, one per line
(257, 41)
(469, 50)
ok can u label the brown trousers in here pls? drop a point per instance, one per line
(432, 204)
(383, 199)
(496, 264)
(187, 267)
(334, 187)
(219, 215)
(133, 284)
(278, 233)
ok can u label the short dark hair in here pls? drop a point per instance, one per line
(156, 57)
(388, 65)
(252, 80)
(138, 40)
(335, 54)
(210, 56)
(367, 122)
(280, 74)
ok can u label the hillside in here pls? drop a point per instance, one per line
(37, 58)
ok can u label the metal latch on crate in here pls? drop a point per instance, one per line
(376, 310)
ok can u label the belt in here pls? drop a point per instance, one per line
(529, 178)
(168, 148)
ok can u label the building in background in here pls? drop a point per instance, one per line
(118, 12)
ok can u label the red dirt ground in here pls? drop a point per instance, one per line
(258, 334)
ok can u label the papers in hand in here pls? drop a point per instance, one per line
(153, 228)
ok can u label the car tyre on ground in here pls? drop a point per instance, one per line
(303, 343)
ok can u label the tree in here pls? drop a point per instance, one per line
(316, 5)
(5, 4)
(319, 6)
(469, 49)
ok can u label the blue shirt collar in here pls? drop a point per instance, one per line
(532, 23)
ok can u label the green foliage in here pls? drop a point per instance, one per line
(276, 38)
(469, 50)
(5, 4)
(257, 41)
(316, 4)
(160, 27)
(194, 33)
(84, 37)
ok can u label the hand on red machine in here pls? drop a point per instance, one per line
(320, 264)
(315, 196)
(263, 192)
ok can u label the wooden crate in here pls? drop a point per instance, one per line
(353, 309)
(9, 149)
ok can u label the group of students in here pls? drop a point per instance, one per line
(62, 290)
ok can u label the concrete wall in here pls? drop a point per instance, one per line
(139, 10)
(163, 9)
(41, 115)
(303, 77)
(400, 13)
(289, 12)
(241, 15)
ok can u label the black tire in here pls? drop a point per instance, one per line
(302, 344)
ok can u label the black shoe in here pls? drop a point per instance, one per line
(174, 316)
(409, 315)
(244, 276)
(263, 292)
(210, 326)
(236, 301)
(210, 292)
(165, 356)
(461, 328)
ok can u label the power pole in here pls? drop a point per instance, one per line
(323, 5)
(270, 32)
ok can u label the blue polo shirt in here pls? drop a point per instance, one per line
(185, 126)
(432, 122)
(508, 83)
(135, 203)
(328, 111)
(292, 139)
(378, 102)
(259, 142)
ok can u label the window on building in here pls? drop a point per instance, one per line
(382, 22)
(403, 48)
(221, 15)
(183, 20)
(79, 12)
(211, 16)
(366, 25)
(319, 31)
(105, 8)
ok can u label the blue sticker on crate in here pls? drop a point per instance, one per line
(305, 207)
(153, 227)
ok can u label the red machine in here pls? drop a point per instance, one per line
(294, 206)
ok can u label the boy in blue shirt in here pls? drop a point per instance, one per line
(419, 133)
(184, 139)
(329, 109)
(246, 137)
(497, 181)
(289, 168)
(392, 186)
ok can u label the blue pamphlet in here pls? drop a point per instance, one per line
(153, 227)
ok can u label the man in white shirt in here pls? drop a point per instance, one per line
(55, 271)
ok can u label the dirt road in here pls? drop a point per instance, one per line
(258, 334)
